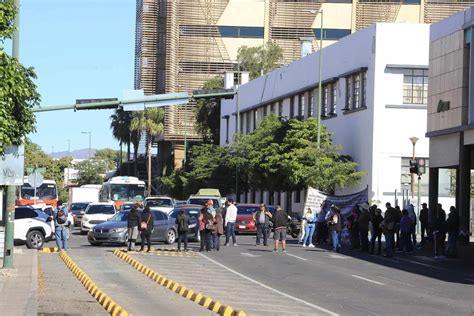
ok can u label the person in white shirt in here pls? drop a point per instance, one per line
(230, 218)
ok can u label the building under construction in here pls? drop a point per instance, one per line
(182, 43)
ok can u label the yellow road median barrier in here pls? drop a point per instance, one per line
(180, 289)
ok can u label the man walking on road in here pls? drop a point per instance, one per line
(182, 220)
(230, 218)
(262, 219)
(280, 221)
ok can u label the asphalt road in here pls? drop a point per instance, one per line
(303, 281)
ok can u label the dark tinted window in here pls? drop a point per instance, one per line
(193, 213)
(78, 207)
(159, 216)
(100, 209)
(120, 217)
(25, 212)
(241, 31)
(159, 202)
(202, 201)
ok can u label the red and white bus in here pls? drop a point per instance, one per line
(46, 193)
(122, 189)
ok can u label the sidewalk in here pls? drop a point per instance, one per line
(19, 286)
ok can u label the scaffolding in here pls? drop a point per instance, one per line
(437, 10)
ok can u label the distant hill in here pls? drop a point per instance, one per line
(76, 154)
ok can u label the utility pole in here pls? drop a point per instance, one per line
(11, 189)
(237, 130)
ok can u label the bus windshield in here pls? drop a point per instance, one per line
(43, 192)
(128, 192)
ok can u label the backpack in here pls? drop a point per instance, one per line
(210, 224)
(183, 224)
(61, 217)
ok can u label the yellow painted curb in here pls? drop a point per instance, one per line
(103, 299)
(50, 249)
(164, 252)
(185, 292)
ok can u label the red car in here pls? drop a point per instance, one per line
(245, 222)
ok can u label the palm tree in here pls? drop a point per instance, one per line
(120, 125)
(150, 122)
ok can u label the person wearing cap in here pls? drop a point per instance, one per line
(280, 222)
(424, 219)
(335, 227)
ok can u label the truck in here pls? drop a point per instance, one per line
(85, 193)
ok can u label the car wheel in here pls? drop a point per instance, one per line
(34, 239)
(170, 237)
(125, 241)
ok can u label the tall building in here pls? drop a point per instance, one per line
(182, 43)
(451, 112)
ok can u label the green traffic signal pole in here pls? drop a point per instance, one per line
(117, 103)
(11, 189)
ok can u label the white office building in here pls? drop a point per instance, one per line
(375, 85)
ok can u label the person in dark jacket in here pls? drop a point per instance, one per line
(280, 222)
(453, 232)
(439, 233)
(424, 219)
(398, 217)
(406, 226)
(353, 226)
(377, 220)
(218, 230)
(388, 228)
(262, 219)
(364, 222)
(206, 226)
(146, 227)
(182, 220)
(133, 223)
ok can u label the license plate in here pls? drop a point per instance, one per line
(242, 226)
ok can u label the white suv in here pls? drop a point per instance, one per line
(96, 213)
(31, 227)
(164, 204)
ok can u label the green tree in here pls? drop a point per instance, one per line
(259, 60)
(18, 93)
(109, 156)
(120, 126)
(90, 172)
(149, 121)
(208, 113)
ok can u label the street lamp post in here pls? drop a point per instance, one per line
(413, 141)
(237, 129)
(90, 133)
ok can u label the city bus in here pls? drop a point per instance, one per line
(46, 193)
(122, 189)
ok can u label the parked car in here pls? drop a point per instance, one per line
(115, 230)
(31, 227)
(202, 199)
(245, 222)
(193, 211)
(160, 203)
(96, 213)
(77, 209)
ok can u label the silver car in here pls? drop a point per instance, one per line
(114, 230)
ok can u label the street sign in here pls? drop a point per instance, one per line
(35, 179)
(12, 165)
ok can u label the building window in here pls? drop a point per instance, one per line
(242, 123)
(265, 111)
(301, 106)
(272, 108)
(241, 31)
(332, 108)
(415, 86)
(255, 119)
(311, 104)
(324, 103)
(248, 121)
(226, 118)
(356, 90)
(280, 108)
(292, 107)
(297, 196)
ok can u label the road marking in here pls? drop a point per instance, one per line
(368, 280)
(337, 256)
(249, 255)
(289, 254)
(379, 276)
(270, 288)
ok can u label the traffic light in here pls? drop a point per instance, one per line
(421, 165)
(414, 166)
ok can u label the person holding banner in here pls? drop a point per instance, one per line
(335, 227)
(311, 219)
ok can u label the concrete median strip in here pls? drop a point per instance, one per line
(110, 305)
(185, 292)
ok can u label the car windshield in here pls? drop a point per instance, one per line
(192, 212)
(126, 207)
(78, 206)
(158, 202)
(119, 217)
(246, 210)
(128, 192)
(202, 201)
(100, 209)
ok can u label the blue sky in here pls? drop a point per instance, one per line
(80, 49)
